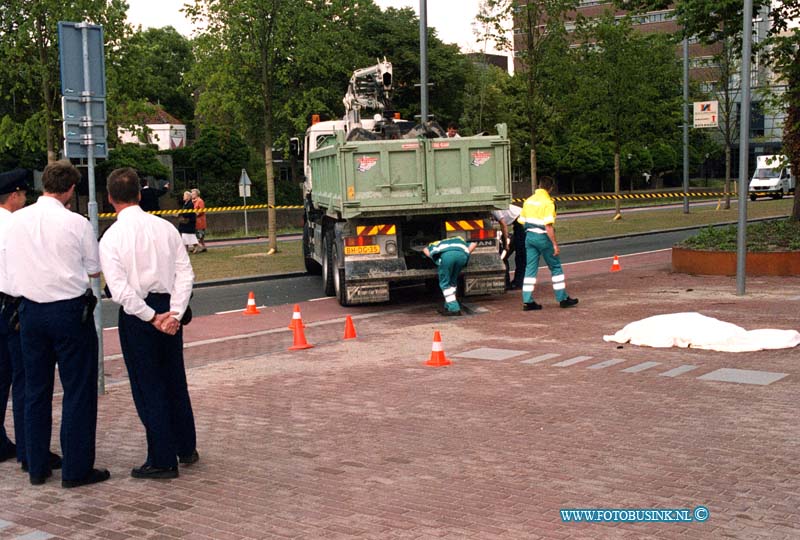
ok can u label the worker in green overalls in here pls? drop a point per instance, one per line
(450, 255)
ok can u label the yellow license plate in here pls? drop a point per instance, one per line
(362, 250)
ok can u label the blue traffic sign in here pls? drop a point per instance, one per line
(70, 50)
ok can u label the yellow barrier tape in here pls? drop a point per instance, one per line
(636, 196)
(603, 197)
(214, 210)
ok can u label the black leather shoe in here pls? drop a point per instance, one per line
(54, 462)
(9, 451)
(39, 480)
(568, 302)
(148, 471)
(188, 460)
(532, 306)
(95, 476)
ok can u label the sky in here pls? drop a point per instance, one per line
(452, 18)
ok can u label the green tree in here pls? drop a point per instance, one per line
(626, 100)
(151, 67)
(140, 157)
(29, 54)
(782, 50)
(486, 102)
(539, 22)
(246, 50)
(219, 156)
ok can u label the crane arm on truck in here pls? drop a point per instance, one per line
(369, 88)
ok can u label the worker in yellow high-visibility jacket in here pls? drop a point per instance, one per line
(538, 217)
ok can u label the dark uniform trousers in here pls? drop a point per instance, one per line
(12, 374)
(158, 384)
(520, 256)
(53, 333)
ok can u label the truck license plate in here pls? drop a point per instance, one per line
(362, 250)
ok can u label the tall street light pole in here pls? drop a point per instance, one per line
(685, 122)
(744, 147)
(423, 60)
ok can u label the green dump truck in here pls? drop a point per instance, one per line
(371, 206)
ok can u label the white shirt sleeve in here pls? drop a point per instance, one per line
(91, 256)
(184, 277)
(117, 281)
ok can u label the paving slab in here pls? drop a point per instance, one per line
(360, 439)
(743, 376)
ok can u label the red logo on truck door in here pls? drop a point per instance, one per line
(366, 163)
(479, 158)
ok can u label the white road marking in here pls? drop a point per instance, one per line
(236, 310)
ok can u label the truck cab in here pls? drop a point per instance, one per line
(772, 178)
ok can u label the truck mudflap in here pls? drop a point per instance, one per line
(367, 292)
(368, 281)
(484, 274)
(480, 284)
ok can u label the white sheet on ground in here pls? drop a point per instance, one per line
(701, 332)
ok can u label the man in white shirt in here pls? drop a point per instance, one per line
(149, 274)
(13, 187)
(506, 218)
(54, 255)
(13, 190)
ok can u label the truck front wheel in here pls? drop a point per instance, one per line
(753, 197)
(327, 263)
(312, 266)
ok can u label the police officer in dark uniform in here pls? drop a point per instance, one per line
(13, 186)
(13, 191)
(149, 274)
(55, 252)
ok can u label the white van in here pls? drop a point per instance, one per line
(773, 177)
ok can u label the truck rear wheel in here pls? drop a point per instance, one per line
(778, 195)
(339, 279)
(327, 263)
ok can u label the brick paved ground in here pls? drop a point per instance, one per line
(360, 439)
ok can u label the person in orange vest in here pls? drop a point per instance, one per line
(200, 223)
(538, 217)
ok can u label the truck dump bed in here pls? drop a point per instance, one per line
(412, 176)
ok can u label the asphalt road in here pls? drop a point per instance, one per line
(299, 288)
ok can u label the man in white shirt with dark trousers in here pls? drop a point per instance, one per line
(13, 188)
(54, 255)
(149, 274)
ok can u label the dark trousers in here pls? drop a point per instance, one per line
(52, 333)
(12, 373)
(520, 256)
(158, 384)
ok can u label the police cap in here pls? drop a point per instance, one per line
(16, 180)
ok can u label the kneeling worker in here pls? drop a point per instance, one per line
(538, 217)
(450, 255)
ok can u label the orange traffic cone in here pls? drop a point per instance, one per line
(349, 328)
(615, 264)
(251, 308)
(437, 358)
(296, 318)
(299, 338)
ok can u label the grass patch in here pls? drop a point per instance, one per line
(585, 228)
(778, 235)
(251, 260)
